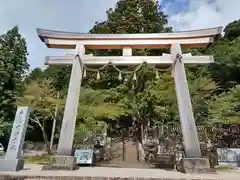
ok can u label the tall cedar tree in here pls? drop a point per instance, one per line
(128, 16)
(13, 66)
(131, 16)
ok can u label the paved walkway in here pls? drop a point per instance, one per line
(35, 170)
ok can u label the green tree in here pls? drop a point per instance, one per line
(59, 76)
(226, 107)
(35, 75)
(232, 30)
(225, 71)
(4, 128)
(162, 95)
(136, 16)
(132, 16)
(42, 97)
(96, 106)
(13, 66)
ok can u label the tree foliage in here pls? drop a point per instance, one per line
(13, 66)
(214, 88)
(225, 71)
(41, 96)
(226, 107)
(232, 30)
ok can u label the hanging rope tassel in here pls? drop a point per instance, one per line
(98, 75)
(84, 73)
(134, 76)
(157, 74)
(120, 76)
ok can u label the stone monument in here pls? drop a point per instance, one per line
(13, 160)
(127, 42)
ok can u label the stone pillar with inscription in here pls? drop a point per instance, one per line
(13, 160)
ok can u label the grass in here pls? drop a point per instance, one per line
(224, 168)
(43, 159)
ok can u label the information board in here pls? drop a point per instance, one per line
(229, 156)
(84, 156)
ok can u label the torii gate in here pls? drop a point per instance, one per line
(175, 41)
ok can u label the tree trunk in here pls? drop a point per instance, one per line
(123, 146)
(136, 135)
(45, 138)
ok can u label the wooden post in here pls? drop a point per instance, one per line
(188, 126)
(70, 114)
(127, 51)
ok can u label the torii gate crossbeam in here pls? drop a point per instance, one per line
(174, 41)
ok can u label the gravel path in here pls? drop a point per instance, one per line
(35, 170)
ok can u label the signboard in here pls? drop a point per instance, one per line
(229, 156)
(17, 137)
(84, 156)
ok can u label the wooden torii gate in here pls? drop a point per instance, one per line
(175, 41)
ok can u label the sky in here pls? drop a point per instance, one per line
(80, 16)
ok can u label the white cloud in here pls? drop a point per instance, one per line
(206, 14)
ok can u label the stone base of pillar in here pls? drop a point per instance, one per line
(60, 162)
(197, 165)
(11, 164)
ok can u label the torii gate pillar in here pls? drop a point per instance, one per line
(70, 112)
(193, 160)
(188, 126)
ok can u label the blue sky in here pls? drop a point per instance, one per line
(80, 16)
(175, 6)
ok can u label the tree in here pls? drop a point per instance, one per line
(162, 95)
(13, 66)
(4, 128)
(232, 30)
(202, 89)
(35, 75)
(59, 76)
(42, 97)
(226, 68)
(226, 107)
(94, 107)
(134, 16)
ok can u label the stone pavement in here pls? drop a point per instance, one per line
(31, 171)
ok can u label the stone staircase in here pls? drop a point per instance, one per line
(130, 159)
